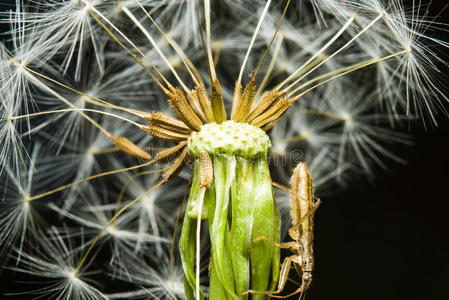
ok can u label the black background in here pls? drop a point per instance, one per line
(386, 240)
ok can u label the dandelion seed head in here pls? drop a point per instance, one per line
(174, 61)
(176, 286)
(306, 134)
(112, 230)
(148, 202)
(279, 147)
(71, 275)
(91, 151)
(162, 282)
(19, 213)
(26, 200)
(90, 212)
(56, 262)
(87, 7)
(346, 116)
(121, 4)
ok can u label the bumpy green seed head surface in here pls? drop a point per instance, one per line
(231, 138)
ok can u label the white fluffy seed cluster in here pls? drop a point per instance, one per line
(230, 138)
(57, 60)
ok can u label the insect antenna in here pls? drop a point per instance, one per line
(278, 185)
(281, 187)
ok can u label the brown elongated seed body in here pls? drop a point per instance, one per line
(273, 113)
(177, 166)
(195, 105)
(268, 126)
(236, 97)
(165, 134)
(246, 101)
(170, 154)
(284, 105)
(182, 109)
(267, 99)
(161, 120)
(217, 104)
(206, 170)
(129, 147)
(205, 103)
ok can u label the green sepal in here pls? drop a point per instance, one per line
(216, 289)
(243, 188)
(240, 207)
(275, 267)
(265, 224)
(187, 242)
(188, 290)
(224, 171)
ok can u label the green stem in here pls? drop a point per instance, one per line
(224, 171)
(242, 220)
(240, 207)
(264, 255)
(187, 242)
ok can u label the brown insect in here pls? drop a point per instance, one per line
(303, 207)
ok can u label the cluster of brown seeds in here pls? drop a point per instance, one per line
(199, 108)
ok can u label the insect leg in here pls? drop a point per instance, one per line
(281, 245)
(285, 270)
(301, 289)
(310, 213)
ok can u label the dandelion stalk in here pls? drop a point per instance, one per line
(240, 207)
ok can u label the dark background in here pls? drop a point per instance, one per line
(390, 240)
(385, 240)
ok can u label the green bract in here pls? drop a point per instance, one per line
(240, 207)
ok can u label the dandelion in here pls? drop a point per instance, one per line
(166, 281)
(20, 215)
(55, 261)
(110, 89)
